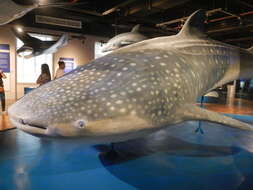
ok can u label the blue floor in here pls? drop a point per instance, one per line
(176, 158)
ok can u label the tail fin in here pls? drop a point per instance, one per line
(24, 36)
(25, 51)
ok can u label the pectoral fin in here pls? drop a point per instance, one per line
(124, 43)
(193, 112)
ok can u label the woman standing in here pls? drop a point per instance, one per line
(45, 75)
(2, 94)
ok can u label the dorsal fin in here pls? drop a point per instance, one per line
(194, 25)
(136, 28)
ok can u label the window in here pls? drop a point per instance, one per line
(28, 70)
(98, 49)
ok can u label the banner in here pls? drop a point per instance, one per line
(69, 64)
(5, 57)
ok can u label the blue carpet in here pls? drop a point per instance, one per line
(175, 158)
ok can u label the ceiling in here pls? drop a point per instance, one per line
(230, 21)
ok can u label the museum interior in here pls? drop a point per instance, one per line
(126, 94)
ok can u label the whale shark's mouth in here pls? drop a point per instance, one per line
(37, 130)
(33, 125)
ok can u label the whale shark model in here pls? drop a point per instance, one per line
(11, 11)
(124, 39)
(35, 47)
(136, 90)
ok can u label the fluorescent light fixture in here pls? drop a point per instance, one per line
(42, 1)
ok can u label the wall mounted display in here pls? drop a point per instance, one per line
(69, 63)
(5, 57)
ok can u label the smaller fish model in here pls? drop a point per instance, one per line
(34, 47)
(124, 39)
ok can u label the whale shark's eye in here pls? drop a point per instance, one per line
(80, 124)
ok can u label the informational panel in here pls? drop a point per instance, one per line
(5, 64)
(69, 63)
(5, 57)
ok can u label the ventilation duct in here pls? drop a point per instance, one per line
(58, 21)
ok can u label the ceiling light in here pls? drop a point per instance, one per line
(20, 29)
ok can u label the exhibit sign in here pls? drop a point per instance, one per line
(5, 57)
(69, 64)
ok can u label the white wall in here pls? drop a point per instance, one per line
(81, 51)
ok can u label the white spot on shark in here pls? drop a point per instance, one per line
(119, 102)
(113, 95)
(122, 110)
(133, 112)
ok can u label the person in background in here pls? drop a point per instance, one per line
(2, 94)
(60, 70)
(45, 75)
